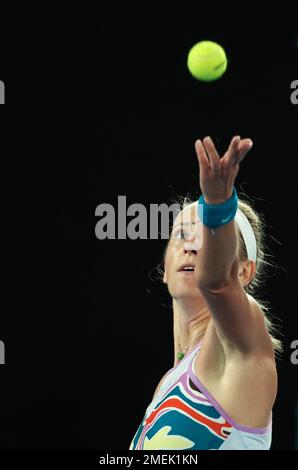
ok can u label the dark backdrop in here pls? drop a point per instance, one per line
(99, 103)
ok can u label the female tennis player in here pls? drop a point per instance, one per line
(221, 390)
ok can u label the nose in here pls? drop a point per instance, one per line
(190, 247)
(189, 250)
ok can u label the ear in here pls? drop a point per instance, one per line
(246, 272)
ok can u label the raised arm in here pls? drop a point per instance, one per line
(237, 317)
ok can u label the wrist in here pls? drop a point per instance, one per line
(212, 200)
(217, 214)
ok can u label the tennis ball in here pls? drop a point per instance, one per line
(207, 61)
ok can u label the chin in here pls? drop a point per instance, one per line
(186, 292)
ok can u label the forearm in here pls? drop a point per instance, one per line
(217, 255)
(217, 260)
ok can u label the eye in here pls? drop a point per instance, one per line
(176, 234)
(180, 234)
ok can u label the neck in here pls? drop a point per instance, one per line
(191, 319)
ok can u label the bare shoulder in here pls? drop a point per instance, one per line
(243, 383)
(259, 361)
(219, 354)
(260, 341)
(263, 345)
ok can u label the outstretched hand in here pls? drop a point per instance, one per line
(217, 174)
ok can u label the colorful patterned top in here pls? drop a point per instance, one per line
(184, 415)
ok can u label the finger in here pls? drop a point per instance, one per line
(233, 147)
(212, 152)
(231, 154)
(201, 153)
(243, 148)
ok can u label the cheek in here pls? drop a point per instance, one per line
(168, 257)
(169, 262)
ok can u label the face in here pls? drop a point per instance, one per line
(183, 254)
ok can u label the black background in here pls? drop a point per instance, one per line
(99, 103)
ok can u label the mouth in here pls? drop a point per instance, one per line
(187, 268)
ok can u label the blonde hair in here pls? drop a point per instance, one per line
(258, 226)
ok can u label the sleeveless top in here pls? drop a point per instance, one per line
(184, 415)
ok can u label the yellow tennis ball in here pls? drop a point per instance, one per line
(207, 61)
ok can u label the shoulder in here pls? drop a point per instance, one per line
(260, 338)
(238, 318)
